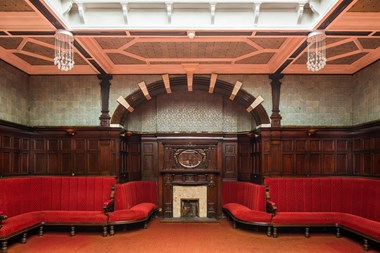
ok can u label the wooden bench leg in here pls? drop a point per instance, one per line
(112, 230)
(41, 231)
(269, 231)
(105, 231)
(23, 239)
(72, 232)
(275, 235)
(338, 232)
(307, 232)
(365, 245)
(4, 246)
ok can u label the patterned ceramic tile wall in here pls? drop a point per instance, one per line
(235, 117)
(143, 118)
(256, 85)
(316, 100)
(189, 112)
(65, 100)
(366, 96)
(14, 95)
(123, 85)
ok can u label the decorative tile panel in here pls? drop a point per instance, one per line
(366, 95)
(316, 100)
(256, 85)
(123, 85)
(65, 100)
(183, 111)
(14, 95)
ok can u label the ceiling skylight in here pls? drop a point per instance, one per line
(189, 14)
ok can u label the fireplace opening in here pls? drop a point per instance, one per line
(190, 208)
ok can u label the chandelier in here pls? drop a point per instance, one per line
(316, 51)
(64, 51)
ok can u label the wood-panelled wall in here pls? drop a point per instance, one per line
(366, 155)
(320, 152)
(285, 151)
(59, 151)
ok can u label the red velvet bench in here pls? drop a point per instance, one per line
(30, 202)
(349, 203)
(135, 202)
(245, 203)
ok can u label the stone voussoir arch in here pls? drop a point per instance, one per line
(200, 83)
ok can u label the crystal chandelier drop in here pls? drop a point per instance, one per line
(64, 50)
(316, 51)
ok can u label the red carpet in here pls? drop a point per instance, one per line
(187, 237)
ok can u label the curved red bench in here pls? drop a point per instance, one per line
(245, 203)
(349, 203)
(30, 202)
(134, 202)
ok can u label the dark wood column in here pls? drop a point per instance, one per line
(105, 94)
(276, 91)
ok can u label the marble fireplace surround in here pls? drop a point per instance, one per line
(190, 192)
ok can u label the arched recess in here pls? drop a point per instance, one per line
(200, 83)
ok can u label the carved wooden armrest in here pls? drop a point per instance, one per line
(108, 206)
(2, 217)
(271, 207)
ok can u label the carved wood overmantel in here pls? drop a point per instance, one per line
(190, 161)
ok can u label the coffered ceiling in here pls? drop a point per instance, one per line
(255, 46)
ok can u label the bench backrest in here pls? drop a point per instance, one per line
(359, 196)
(247, 194)
(130, 194)
(27, 194)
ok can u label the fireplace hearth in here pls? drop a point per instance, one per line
(190, 208)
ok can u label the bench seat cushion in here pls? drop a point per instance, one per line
(244, 213)
(20, 222)
(126, 215)
(363, 225)
(305, 218)
(74, 217)
(146, 208)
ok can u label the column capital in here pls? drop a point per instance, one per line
(276, 77)
(105, 77)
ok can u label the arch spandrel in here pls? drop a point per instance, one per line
(200, 83)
